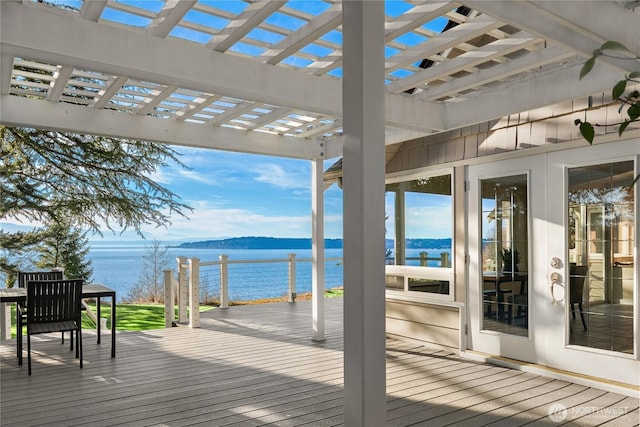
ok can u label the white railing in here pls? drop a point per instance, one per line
(224, 280)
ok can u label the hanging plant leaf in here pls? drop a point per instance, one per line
(619, 89)
(613, 45)
(586, 129)
(587, 67)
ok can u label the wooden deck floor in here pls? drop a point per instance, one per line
(256, 365)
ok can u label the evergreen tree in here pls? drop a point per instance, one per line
(87, 182)
(65, 247)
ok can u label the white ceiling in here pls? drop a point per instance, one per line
(192, 73)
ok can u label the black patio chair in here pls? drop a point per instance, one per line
(54, 306)
(23, 278)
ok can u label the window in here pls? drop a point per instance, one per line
(419, 231)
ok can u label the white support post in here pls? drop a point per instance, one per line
(363, 109)
(5, 321)
(317, 250)
(183, 289)
(292, 278)
(194, 292)
(169, 299)
(224, 281)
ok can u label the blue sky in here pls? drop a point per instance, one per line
(237, 194)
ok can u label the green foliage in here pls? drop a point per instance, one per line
(630, 99)
(90, 181)
(67, 247)
(84, 182)
(510, 259)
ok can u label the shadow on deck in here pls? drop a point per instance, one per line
(256, 365)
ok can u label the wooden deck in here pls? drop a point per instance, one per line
(256, 365)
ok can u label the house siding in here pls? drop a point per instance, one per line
(438, 325)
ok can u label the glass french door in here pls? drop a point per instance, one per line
(554, 271)
(504, 199)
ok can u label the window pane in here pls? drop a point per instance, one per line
(505, 246)
(419, 227)
(601, 231)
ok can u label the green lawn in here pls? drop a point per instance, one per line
(131, 317)
(139, 317)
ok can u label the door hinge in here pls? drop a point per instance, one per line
(466, 329)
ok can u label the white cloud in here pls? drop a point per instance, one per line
(276, 175)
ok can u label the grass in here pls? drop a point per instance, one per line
(142, 317)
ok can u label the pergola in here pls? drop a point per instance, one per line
(308, 80)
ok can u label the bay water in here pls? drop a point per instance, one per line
(120, 266)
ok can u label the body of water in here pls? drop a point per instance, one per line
(120, 267)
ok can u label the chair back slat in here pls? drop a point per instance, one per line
(54, 300)
(27, 276)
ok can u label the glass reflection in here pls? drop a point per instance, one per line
(505, 246)
(601, 233)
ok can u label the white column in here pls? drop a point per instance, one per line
(317, 249)
(183, 289)
(194, 292)
(169, 299)
(363, 185)
(5, 321)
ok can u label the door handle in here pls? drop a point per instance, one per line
(556, 279)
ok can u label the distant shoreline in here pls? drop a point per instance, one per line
(253, 242)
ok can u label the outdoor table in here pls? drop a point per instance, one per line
(94, 291)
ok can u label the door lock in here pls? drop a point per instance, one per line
(556, 279)
(556, 262)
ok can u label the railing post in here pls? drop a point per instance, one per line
(224, 281)
(183, 290)
(423, 259)
(292, 278)
(444, 260)
(194, 292)
(169, 299)
(5, 321)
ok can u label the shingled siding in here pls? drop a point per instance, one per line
(545, 126)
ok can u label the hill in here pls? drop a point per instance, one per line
(252, 242)
(259, 243)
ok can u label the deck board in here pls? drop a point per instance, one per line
(256, 365)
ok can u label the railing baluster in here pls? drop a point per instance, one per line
(224, 281)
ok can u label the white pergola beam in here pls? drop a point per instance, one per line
(537, 91)
(25, 112)
(467, 60)
(6, 67)
(545, 23)
(415, 17)
(170, 15)
(474, 28)
(37, 34)
(605, 20)
(59, 83)
(307, 34)
(247, 21)
(91, 10)
(525, 63)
